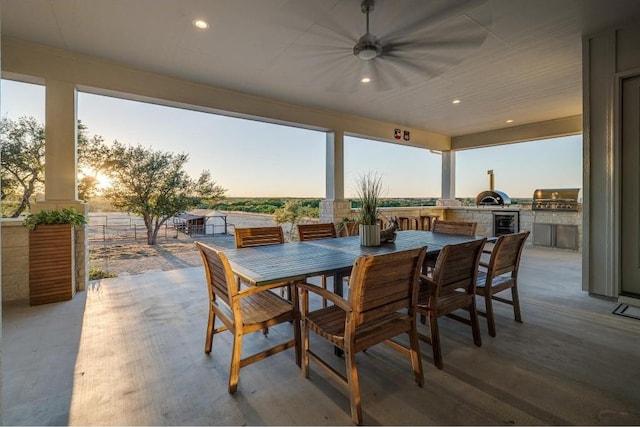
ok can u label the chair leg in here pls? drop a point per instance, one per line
(234, 372)
(324, 286)
(296, 324)
(304, 332)
(516, 303)
(488, 306)
(416, 360)
(475, 323)
(435, 341)
(354, 386)
(208, 342)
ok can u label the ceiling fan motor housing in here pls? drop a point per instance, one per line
(367, 47)
(367, 6)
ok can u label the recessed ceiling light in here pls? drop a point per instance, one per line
(199, 23)
(365, 80)
(510, 121)
(455, 101)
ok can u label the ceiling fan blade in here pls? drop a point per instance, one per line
(305, 51)
(419, 46)
(430, 14)
(316, 18)
(411, 70)
(386, 75)
(328, 71)
(458, 32)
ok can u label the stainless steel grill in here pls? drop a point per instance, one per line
(556, 199)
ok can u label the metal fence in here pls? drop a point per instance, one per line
(106, 228)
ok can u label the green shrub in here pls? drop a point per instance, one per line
(56, 216)
(97, 273)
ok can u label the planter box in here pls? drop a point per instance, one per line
(51, 264)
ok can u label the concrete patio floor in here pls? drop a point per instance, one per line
(129, 351)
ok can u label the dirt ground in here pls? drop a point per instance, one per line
(128, 257)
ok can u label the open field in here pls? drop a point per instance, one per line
(128, 256)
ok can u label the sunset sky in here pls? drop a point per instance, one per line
(257, 159)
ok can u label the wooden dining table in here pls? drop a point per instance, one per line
(295, 261)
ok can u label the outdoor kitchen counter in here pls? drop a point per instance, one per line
(529, 220)
(539, 222)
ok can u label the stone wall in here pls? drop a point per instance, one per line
(15, 260)
(482, 216)
(527, 218)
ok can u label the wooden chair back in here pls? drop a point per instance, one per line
(451, 288)
(382, 303)
(384, 284)
(455, 227)
(457, 267)
(326, 230)
(506, 254)
(242, 311)
(220, 280)
(247, 237)
(505, 259)
(353, 228)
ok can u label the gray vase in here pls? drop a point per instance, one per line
(369, 235)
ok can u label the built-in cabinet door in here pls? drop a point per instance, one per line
(630, 188)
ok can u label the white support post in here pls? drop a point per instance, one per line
(60, 134)
(333, 208)
(448, 191)
(60, 183)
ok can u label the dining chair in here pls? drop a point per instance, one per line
(381, 305)
(242, 311)
(500, 274)
(451, 287)
(459, 228)
(409, 222)
(326, 230)
(353, 228)
(247, 237)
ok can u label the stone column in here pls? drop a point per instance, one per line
(448, 191)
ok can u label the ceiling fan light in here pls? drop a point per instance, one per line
(368, 53)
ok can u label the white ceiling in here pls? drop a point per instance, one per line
(504, 59)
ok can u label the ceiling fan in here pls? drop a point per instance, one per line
(422, 40)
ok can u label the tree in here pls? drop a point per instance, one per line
(93, 159)
(23, 162)
(293, 212)
(153, 184)
(22, 166)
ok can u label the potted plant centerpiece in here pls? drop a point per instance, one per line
(52, 254)
(369, 191)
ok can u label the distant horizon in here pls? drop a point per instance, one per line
(260, 159)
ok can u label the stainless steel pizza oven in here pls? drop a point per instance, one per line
(492, 197)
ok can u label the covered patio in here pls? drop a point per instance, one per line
(129, 351)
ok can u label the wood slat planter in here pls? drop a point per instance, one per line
(51, 264)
